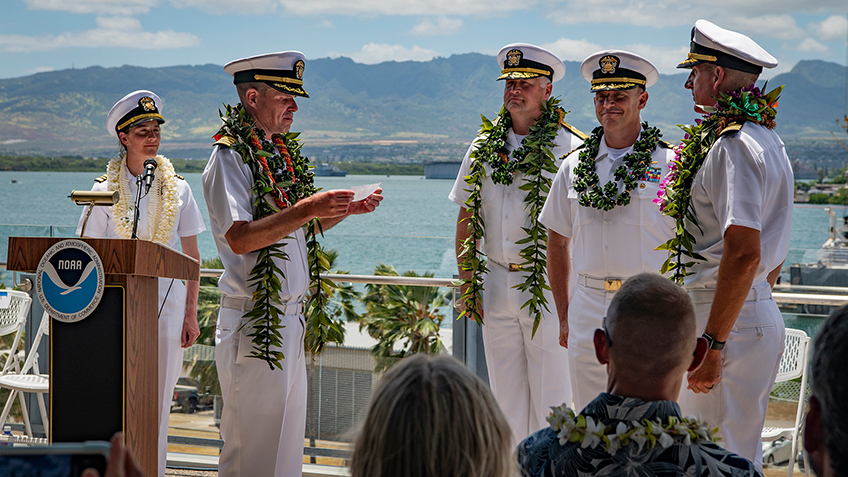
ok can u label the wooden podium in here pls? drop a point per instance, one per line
(104, 368)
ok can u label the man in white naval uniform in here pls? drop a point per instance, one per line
(135, 121)
(526, 375)
(606, 246)
(742, 197)
(264, 411)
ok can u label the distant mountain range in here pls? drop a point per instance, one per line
(64, 112)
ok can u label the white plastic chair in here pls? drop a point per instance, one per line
(793, 364)
(12, 320)
(26, 382)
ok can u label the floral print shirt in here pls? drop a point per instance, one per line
(541, 454)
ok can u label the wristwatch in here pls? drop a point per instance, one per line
(713, 344)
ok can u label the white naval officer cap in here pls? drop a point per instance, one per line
(713, 44)
(523, 61)
(282, 71)
(133, 109)
(612, 70)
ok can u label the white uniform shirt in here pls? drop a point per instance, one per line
(189, 222)
(503, 206)
(618, 243)
(746, 180)
(226, 186)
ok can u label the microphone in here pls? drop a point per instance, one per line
(149, 167)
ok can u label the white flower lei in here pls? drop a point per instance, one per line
(591, 433)
(162, 208)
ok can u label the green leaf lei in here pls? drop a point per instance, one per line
(649, 433)
(635, 165)
(281, 177)
(532, 159)
(675, 195)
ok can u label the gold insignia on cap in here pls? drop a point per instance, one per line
(608, 64)
(513, 57)
(298, 69)
(147, 103)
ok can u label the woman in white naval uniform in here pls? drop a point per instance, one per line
(169, 216)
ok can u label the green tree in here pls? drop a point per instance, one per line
(840, 198)
(403, 314)
(818, 198)
(340, 307)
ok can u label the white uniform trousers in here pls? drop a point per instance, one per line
(586, 312)
(527, 376)
(749, 362)
(170, 359)
(264, 416)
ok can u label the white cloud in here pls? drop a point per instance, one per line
(326, 24)
(374, 53)
(809, 45)
(443, 26)
(775, 26)
(833, 28)
(404, 7)
(744, 16)
(41, 69)
(229, 7)
(100, 7)
(572, 50)
(665, 59)
(121, 32)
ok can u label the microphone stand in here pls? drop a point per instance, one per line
(136, 214)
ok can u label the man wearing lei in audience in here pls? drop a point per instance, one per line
(262, 203)
(168, 215)
(635, 428)
(602, 224)
(500, 188)
(731, 194)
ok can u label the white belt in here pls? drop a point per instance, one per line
(609, 284)
(705, 295)
(246, 304)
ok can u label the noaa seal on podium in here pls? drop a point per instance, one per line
(69, 280)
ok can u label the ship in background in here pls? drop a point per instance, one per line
(324, 169)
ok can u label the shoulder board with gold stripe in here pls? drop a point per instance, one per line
(732, 127)
(562, 157)
(666, 144)
(226, 141)
(583, 136)
(179, 176)
(101, 178)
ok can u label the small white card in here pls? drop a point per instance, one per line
(361, 192)
(5, 300)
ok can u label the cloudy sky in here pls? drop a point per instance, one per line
(45, 35)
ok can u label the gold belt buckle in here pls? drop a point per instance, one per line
(612, 285)
(514, 267)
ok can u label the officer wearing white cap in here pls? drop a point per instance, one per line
(741, 197)
(168, 214)
(527, 373)
(603, 226)
(264, 411)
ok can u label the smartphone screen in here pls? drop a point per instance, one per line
(58, 460)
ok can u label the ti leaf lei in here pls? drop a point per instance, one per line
(281, 177)
(532, 159)
(675, 195)
(635, 166)
(649, 433)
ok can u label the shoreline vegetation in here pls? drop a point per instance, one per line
(183, 166)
